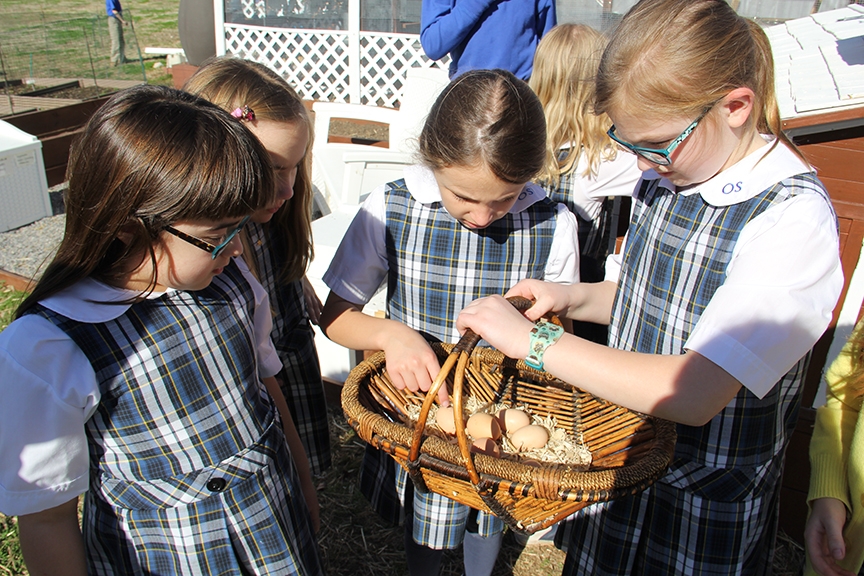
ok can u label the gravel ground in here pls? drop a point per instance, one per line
(27, 250)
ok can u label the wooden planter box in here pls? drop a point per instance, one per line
(56, 129)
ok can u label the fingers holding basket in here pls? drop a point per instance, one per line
(499, 323)
(547, 296)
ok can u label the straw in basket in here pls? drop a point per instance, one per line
(629, 451)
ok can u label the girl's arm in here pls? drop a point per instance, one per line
(298, 453)
(51, 541)
(823, 536)
(411, 363)
(686, 388)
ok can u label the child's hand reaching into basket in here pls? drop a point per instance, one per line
(411, 363)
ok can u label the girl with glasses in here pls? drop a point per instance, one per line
(279, 235)
(139, 372)
(728, 276)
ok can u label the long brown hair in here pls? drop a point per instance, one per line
(565, 68)
(486, 116)
(150, 156)
(678, 57)
(232, 83)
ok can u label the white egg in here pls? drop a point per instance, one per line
(512, 419)
(483, 425)
(529, 437)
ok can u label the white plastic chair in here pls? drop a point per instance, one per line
(338, 167)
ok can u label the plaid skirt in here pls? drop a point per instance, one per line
(245, 515)
(438, 523)
(674, 531)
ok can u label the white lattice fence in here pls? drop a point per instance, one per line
(317, 62)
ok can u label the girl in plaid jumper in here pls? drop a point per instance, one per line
(728, 276)
(463, 223)
(279, 236)
(583, 167)
(140, 373)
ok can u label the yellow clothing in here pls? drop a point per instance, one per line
(837, 458)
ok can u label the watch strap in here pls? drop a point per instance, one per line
(543, 335)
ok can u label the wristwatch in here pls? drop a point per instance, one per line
(543, 335)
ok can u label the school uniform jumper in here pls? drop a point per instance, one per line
(156, 410)
(294, 339)
(589, 199)
(688, 282)
(434, 267)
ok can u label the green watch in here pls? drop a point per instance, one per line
(543, 335)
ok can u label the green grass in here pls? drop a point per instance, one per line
(9, 300)
(11, 561)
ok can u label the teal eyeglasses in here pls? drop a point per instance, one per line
(206, 246)
(659, 156)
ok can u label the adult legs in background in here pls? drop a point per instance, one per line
(118, 47)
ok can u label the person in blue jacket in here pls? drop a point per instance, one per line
(115, 31)
(483, 34)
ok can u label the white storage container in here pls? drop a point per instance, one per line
(23, 186)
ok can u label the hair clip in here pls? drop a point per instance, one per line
(244, 113)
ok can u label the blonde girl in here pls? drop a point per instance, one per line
(279, 235)
(711, 314)
(834, 535)
(139, 371)
(583, 167)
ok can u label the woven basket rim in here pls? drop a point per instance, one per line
(440, 456)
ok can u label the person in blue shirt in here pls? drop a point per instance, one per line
(484, 34)
(115, 30)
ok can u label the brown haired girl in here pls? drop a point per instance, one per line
(280, 235)
(464, 223)
(137, 372)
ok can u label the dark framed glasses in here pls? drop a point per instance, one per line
(659, 156)
(206, 246)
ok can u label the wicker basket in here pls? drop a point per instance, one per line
(629, 450)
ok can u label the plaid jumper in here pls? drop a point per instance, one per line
(593, 233)
(189, 469)
(436, 268)
(294, 339)
(715, 511)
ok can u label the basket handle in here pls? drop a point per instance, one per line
(460, 354)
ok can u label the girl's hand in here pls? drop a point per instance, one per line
(499, 323)
(313, 303)
(823, 536)
(547, 296)
(411, 362)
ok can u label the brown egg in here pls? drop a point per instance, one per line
(529, 437)
(482, 425)
(486, 446)
(445, 420)
(512, 419)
